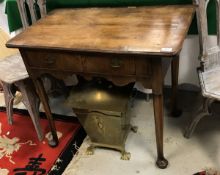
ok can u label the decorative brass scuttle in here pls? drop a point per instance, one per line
(104, 111)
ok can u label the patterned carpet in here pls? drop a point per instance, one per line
(21, 152)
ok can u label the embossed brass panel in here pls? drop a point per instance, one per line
(104, 111)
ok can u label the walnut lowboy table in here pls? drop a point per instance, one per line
(122, 45)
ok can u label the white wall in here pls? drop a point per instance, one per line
(3, 17)
(188, 62)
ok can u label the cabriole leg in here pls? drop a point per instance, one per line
(157, 87)
(158, 117)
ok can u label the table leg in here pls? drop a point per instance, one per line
(44, 99)
(158, 116)
(157, 87)
(175, 112)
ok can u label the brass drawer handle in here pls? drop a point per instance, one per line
(116, 63)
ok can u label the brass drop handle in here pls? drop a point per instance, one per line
(116, 63)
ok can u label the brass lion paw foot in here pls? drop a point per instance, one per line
(90, 150)
(134, 129)
(125, 155)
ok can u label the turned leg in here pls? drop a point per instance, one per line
(31, 102)
(175, 112)
(9, 98)
(157, 87)
(204, 110)
(44, 99)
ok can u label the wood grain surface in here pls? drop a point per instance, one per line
(154, 30)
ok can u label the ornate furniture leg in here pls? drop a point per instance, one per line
(31, 101)
(175, 112)
(9, 98)
(204, 110)
(44, 99)
(157, 86)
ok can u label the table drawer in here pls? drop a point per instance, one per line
(90, 63)
(108, 64)
(54, 60)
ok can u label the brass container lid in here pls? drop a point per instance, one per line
(99, 94)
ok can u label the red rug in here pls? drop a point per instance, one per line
(22, 154)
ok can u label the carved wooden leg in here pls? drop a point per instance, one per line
(204, 110)
(31, 101)
(9, 98)
(157, 87)
(175, 112)
(44, 99)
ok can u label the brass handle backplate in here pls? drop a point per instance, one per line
(116, 63)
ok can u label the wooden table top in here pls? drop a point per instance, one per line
(152, 30)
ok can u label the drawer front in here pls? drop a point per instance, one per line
(53, 60)
(90, 63)
(111, 65)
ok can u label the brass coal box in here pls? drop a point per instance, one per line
(104, 111)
